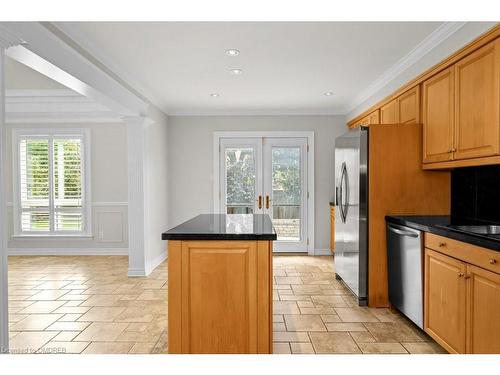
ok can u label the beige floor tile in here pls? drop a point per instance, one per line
(345, 327)
(329, 301)
(301, 348)
(64, 347)
(35, 322)
(382, 347)
(30, 342)
(42, 307)
(317, 310)
(142, 348)
(66, 336)
(152, 295)
(276, 318)
(47, 295)
(101, 314)
(108, 348)
(73, 309)
(423, 348)
(52, 285)
(102, 300)
(70, 317)
(355, 315)
(333, 342)
(290, 337)
(135, 315)
(279, 327)
(285, 307)
(102, 332)
(287, 280)
(14, 318)
(308, 323)
(67, 326)
(281, 348)
(392, 332)
(330, 318)
(362, 337)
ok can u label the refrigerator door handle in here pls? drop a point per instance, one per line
(343, 207)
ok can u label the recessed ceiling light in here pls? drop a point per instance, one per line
(328, 93)
(215, 95)
(232, 52)
(235, 72)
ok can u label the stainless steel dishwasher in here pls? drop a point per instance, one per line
(405, 271)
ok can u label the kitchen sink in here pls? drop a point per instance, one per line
(478, 229)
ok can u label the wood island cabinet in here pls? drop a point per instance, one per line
(462, 296)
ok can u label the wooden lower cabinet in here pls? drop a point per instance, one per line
(220, 297)
(461, 305)
(332, 229)
(445, 292)
(483, 308)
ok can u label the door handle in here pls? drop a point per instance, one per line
(260, 202)
(402, 232)
(267, 201)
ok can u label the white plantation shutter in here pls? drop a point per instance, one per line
(51, 184)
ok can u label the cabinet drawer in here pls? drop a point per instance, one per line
(476, 255)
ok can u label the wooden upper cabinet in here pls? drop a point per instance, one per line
(389, 113)
(445, 295)
(409, 106)
(477, 127)
(438, 116)
(483, 307)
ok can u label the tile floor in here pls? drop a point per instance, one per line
(89, 305)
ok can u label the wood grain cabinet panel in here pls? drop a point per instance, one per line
(445, 294)
(374, 117)
(477, 127)
(483, 311)
(389, 113)
(438, 117)
(220, 297)
(409, 106)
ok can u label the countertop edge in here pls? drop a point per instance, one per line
(416, 223)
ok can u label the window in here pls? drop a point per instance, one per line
(51, 185)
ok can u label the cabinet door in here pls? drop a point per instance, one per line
(477, 132)
(483, 311)
(219, 297)
(332, 229)
(408, 106)
(438, 117)
(389, 113)
(445, 300)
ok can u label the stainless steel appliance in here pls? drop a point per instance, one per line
(404, 266)
(351, 213)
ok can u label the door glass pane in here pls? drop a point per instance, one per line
(240, 180)
(286, 199)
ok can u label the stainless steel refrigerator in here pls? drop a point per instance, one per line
(351, 211)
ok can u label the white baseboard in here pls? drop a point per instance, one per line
(67, 251)
(319, 252)
(156, 262)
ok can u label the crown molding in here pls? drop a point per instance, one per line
(434, 39)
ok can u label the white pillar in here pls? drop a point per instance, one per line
(137, 194)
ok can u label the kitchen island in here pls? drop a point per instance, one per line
(220, 284)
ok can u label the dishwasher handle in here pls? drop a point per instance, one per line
(402, 232)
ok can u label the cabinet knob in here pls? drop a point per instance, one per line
(442, 244)
(461, 274)
(493, 261)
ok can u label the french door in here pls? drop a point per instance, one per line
(267, 176)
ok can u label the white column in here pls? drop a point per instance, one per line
(137, 195)
(4, 309)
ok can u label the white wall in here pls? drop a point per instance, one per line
(190, 154)
(459, 39)
(109, 195)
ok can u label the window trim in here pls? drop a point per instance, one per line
(82, 133)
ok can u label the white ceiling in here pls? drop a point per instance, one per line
(287, 67)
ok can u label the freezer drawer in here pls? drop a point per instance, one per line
(405, 271)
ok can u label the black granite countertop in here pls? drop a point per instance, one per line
(224, 227)
(438, 225)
